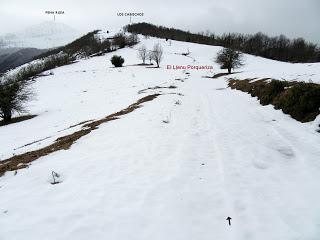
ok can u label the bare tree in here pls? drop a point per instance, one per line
(13, 96)
(157, 53)
(150, 56)
(229, 59)
(142, 53)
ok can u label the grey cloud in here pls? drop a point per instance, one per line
(290, 17)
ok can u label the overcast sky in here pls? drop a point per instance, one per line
(294, 18)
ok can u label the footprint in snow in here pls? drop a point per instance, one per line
(287, 152)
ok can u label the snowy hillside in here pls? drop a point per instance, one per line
(44, 35)
(175, 168)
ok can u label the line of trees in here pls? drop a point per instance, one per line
(90, 44)
(278, 48)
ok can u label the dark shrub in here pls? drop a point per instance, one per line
(119, 40)
(229, 58)
(300, 100)
(117, 61)
(13, 95)
(271, 90)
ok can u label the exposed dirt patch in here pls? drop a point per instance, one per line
(153, 67)
(63, 143)
(155, 88)
(298, 99)
(142, 64)
(18, 119)
(220, 75)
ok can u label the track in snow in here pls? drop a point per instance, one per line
(220, 154)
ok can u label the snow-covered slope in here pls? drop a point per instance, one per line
(175, 168)
(44, 35)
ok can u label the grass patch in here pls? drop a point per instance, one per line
(298, 99)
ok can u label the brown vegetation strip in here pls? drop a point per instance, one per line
(75, 125)
(42, 139)
(298, 99)
(63, 143)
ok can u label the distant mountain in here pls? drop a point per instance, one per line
(41, 36)
(14, 57)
